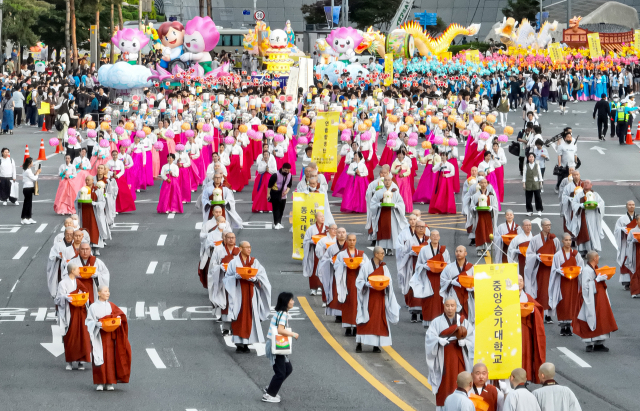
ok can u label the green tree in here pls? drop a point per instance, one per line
(438, 28)
(314, 13)
(377, 13)
(18, 18)
(519, 9)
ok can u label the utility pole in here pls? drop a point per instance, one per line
(139, 28)
(331, 23)
(568, 12)
(112, 53)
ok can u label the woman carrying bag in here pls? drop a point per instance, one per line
(8, 179)
(277, 349)
(30, 180)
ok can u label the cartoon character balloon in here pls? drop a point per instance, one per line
(343, 42)
(278, 39)
(200, 37)
(130, 42)
(172, 38)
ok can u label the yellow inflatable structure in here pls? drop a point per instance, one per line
(424, 43)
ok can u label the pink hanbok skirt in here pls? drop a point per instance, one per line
(456, 178)
(388, 156)
(442, 199)
(354, 197)
(99, 161)
(292, 157)
(493, 180)
(205, 154)
(259, 193)
(280, 161)
(247, 161)
(149, 167)
(500, 179)
(425, 186)
(65, 197)
(337, 174)
(234, 176)
(371, 164)
(125, 201)
(472, 157)
(155, 156)
(184, 182)
(404, 186)
(341, 184)
(194, 175)
(412, 176)
(136, 174)
(170, 200)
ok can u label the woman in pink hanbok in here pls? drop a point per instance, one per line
(346, 148)
(193, 151)
(124, 199)
(235, 175)
(128, 167)
(170, 200)
(149, 161)
(355, 191)
(443, 198)
(499, 160)
(488, 167)
(425, 184)
(166, 137)
(343, 179)
(65, 196)
(206, 145)
(184, 179)
(474, 150)
(401, 169)
(265, 167)
(101, 154)
(136, 174)
(368, 151)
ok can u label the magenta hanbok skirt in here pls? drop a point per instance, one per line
(341, 184)
(443, 199)
(194, 176)
(292, 156)
(354, 197)
(65, 197)
(337, 174)
(184, 183)
(472, 157)
(280, 161)
(148, 168)
(456, 178)
(371, 164)
(493, 180)
(259, 193)
(425, 186)
(216, 141)
(125, 201)
(155, 161)
(412, 175)
(247, 161)
(205, 155)
(136, 174)
(234, 175)
(170, 200)
(404, 186)
(387, 157)
(500, 180)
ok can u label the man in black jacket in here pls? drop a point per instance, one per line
(602, 110)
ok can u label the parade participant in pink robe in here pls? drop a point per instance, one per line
(170, 200)
(343, 180)
(136, 175)
(474, 151)
(401, 169)
(344, 150)
(100, 155)
(149, 161)
(184, 179)
(427, 179)
(124, 201)
(443, 197)
(488, 165)
(128, 166)
(353, 200)
(235, 175)
(368, 151)
(387, 156)
(166, 137)
(266, 166)
(66, 194)
(192, 149)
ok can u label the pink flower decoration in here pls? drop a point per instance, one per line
(269, 133)
(92, 134)
(125, 143)
(393, 135)
(119, 130)
(104, 143)
(227, 126)
(438, 140)
(304, 129)
(366, 136)
(71, 132)
(453, 142)
(484, 136)
(158, 145)
(179, 147)
(73, 141)
(189, 133)
(208, 138)
(54, 142)
(229, 140)
(502, 138)
(391, 143)
(412, 142)
(169, 134)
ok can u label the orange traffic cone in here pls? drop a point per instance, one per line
(638, 132)
(26, 152)
(44, 122)
(629, 140)
(58, 149)
(42, 155)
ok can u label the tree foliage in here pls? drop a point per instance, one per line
(519, 9)
(314, 13)
(18, 18)
(377, 13)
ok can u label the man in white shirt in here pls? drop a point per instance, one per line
(18, 100)
(567, 157)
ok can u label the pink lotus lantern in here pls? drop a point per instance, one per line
(502, 138)
(269, 133)
(179, 147)
(119, 130)
(347, 132)
(484, 136)
(278, 138)
(391, 143)
(304, 129)
(140, 134)
(54, 142)
(453, 142)
(229, 140)
(104, 143)
(366, 136)
(92, 134)
(227, 126)
(189, 133)
(72, 141)
(127, 143)
(259, 135)
(206, 127)
(158, 145)
(208, 138)
(169, 134)
(438, 140)
(412, 142)
(303, 140)
(345, 137)
(71, 132)
(251, 133)
(392, 136)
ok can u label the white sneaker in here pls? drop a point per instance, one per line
(539, 213)
(16, 203)
(100, 387)
(312, 292)
(324, 305)
(80, 366)
(280, 226)
(319, 290)
(4, 203)
(69, 367)
(268, 398)
(110, 387)
(32, 221)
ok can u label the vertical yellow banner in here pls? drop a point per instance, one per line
(325, 142)
(388, 69)
(472, 56)
(304, 215)
(555, 53)
(498, 333)
(636, 40)
(594, 45)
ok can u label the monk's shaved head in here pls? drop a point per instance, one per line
(351, 236)
(518, 376)
(591, 256)
(479, 366)
(377, 250)
(548, 370)
(464, 380)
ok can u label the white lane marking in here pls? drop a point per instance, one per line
(14, 286)
(56, 346)
(152, 267)
(162, 239)
(41, 228)
(609, 234)
(600, 150)
(582, 363)
(171, 215)
(9, 228)
(20, 253)
(199, 226)
(155, 358)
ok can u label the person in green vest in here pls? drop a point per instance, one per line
(532, 183)
(614, 105)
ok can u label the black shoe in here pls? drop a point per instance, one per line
(338, 319)
(472, 242)
(239, 349)
(359, 347)
(414, 318)
(563, 331)
(589, 348)
(373, 243)
(626, 287)
(547, 319)
(347, 332)
(354, 331)
(421, 317)
(568, 331)
(377, 350)
(600, 348)
(225, 333)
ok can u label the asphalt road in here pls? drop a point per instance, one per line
(181, 361)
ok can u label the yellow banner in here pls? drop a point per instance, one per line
(304, 215)
(45, 108)
(388, 69)
(472, 56)
(594, 45)
(555, 53)
(498, 335)
(325, 142)
(636, 40)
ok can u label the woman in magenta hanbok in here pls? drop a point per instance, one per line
(425, 184)
(401, 169)
(184, 178)
(487, 166)
(136, 175)
(443, 198)
(170, 200)
(355, 191)
(124, 200)
(192, 149)
(344, 150)
(343, 179)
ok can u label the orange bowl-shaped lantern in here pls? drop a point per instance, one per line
(546, 259)
(507, 238)
(80, 299)
(317, 238)
(491, 119)
(461, 124)
(379, 282)
(479, 403)
(198, 126)
(369, 123)
(490, 130)
(466, 281)
(445, 141)
(282, 130)
(606, 270)
(353, 263)
(477, 118)
(442, 124)
(225, 266)
(87, 271)
(262, 128)
(246, 272)
(342, 126)
(91, 125)
(571, 272)
(429, 112)
(305, 121)
(404, 128)
(217, 243)
(393, 119)
(451, 119)
(362, 127)
(417, 248)
(104, 125)
(329, 243)
(349, 124)
(523, 249)
(436, 266)
(422, 128)
(636, 236)
(333, 259)
(426, 145)
(526, 309)
(508, 130)
(110, 324)
(435, 120)
(129, 126)
(147, 130)
(243, 128)
(408, 120)
(185, 126)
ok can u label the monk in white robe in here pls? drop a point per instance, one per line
(314, 186)
(449, 343)
(229, 209)
(327, 276)
(406, 261)
(221, 256)
(61, 252)
(388, 222)
(110, 190)
(587, 225)
(519, 398)
(92, 215)
(553, 396)
(209, 226)
(111, 350)
(249, 300)
(72, 222)
(71, 319)
(624, 224)
(372, 188)
(425, 282)
(536, 273)
(451, 288)
(101, 275)
(468, 190)
(595, 321)
(632, 258)
(376, 308)
(564, 293)
(408, 232)
(514, 254)
(489, 393)
(485, 222)
(345, 282)
(214, 239)
(567, 192)
(459, 400)
(500, 248)
(310, 260)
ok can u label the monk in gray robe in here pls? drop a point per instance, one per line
(625, 224)
(327, 276)
(553, 396)
(458, 400)
(373, 187)
(388, 222)
(587, 225)
(406, 261)
(310, 260)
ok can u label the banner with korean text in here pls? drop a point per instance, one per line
(388, 70)
(555, 53)
(498, 333)
(325, 142)
(636, 40)
(595, 50)
(304, 215)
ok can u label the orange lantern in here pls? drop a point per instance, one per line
(435, 120)
(508, 130)
(477, 118)
(461, 124)
(305, 121)
(186, 126)
(146, 130)
(104, 125)
(362, 127)
(404, 128)
(442, 124)
(393, 119)
(369, 123)
(491, 119)
(342, 126)
(129, 126)
(451, 119)
(199, 125)
(91, 125)
(243, 128)
(282, 130)
(422, 128)
(408, 120)
(349, 124)
(262, 128)
(426, 145)
(490, 130)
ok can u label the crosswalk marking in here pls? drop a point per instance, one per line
(41, 228)
(155, 358)
(152, 267)
(162, 239)
(574, 357)
(20, 253)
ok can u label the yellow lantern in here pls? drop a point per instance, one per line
(129, 126)
(422, 128)
(305, 121)
(426, 145)
(477, 118)
(349, 124)
(451, 119)
(262, 128)
(342, 126)
(461, 124)
(435, 120)
(282, 130)
(243, 128)
(104, 125)
(491, 119)
(199, 126)
(508, 130)
(146, 130)
(362, 127)
(186, 126)
(408, 120)
(393, 119)
(369, 123)
(404, 128)
(91, 125)
(442, 124)
(490, 130)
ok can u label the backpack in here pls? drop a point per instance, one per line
(58, 124)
